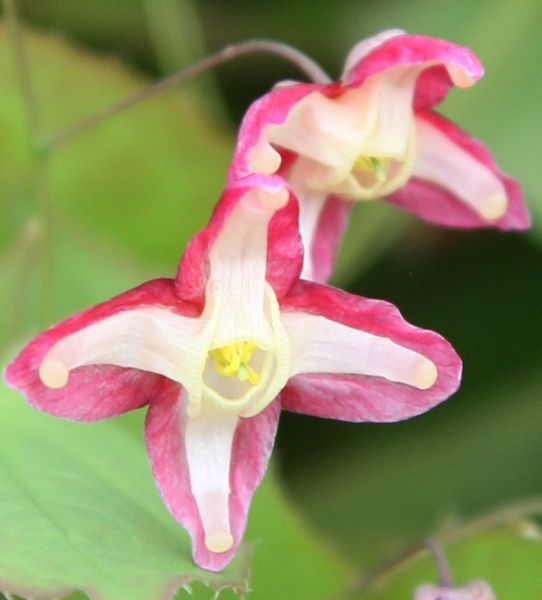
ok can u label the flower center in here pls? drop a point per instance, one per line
(232, 361)
(370, 165)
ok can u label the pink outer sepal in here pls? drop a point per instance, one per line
(252, 445)
(284, 252)
(362, 398)
(270, 109)
(438, 205)
(417, 50)
(97, 391)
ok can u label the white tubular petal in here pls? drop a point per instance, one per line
(442, 162)
(393, 90)
(238, 265)
(208, 445)
(327, 130)
(150, 339)
(319, 345)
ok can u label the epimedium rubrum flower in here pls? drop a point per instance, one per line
(221, 349)
(373, 134)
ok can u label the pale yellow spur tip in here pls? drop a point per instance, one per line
(424, 374)
(220, 541)
(494, 207)
(53, 374)
(263, 159)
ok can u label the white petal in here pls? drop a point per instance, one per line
(238, 261)
(442, 162)
(320, 345)
(151, 339)
(208, 445)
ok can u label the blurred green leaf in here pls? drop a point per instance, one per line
(386, 491)
(373, 229)
(288, 561)
(507, 557)
(79, 511)
(146, 179)
(85, 271)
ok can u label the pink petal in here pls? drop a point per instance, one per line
(441, 206)
(415, 50)
(252, 447)
(329, 231)
(97, 391)
(360, 397)
(284, 252)
(272, 108)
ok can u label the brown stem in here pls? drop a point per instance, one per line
(300, 60)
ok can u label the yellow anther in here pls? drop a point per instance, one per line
(370, 164)
(232, 361)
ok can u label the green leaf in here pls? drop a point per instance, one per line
(79, 511)
(372, 229)
(288, 561)
(385, 486)
(146, 179)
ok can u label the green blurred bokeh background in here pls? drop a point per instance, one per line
(133, 191)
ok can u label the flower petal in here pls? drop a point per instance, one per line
(253, 153)
(395, 362)
(167, 433)
(94, 391)
(283, 247)
(457, 183)
(445, 65)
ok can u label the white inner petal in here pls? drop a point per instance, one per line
(202, 353)
(320, 345)
(441, 161)
(151, 339)
(208, 445)
(238, 260)
(372, 121)
(327, 130)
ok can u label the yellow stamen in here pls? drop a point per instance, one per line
(232, 361)
(370, 164)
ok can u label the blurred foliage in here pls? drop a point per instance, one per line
(64, 495)
(508, 556)
(130, 193)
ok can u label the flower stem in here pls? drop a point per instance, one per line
(443, 568)
(40, 159)
(231, 52)
(508, 514)
(23, 74)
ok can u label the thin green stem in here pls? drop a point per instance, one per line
(23, 73)
(40, 157)
(312, 70)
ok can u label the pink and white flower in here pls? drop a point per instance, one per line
(218, 351)
(373, 134)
